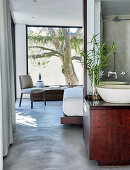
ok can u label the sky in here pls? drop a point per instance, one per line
(73, 30)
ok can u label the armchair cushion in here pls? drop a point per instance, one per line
(29, 90)
(26, 81)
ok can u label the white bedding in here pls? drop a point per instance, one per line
(73, 101)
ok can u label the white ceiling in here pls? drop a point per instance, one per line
(61, 12)
(48, 12)
(115, 7)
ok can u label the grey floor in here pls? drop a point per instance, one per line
(42, 143)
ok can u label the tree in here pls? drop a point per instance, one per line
(61, 41)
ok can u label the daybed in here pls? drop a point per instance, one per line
(72, 106)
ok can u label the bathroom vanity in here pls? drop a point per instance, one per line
(107, 132)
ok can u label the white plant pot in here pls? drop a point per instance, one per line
(39, 84)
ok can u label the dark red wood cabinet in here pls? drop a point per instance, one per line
(107, 132)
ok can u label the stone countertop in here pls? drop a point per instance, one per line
(100, 104)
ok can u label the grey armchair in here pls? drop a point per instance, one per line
(26, 85)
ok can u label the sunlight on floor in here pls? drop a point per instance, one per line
(25, 120)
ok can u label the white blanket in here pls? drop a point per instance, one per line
(73, 101)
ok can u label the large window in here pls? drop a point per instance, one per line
(55, 53)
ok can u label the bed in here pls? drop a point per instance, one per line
(72, 106)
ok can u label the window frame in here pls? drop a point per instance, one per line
(52, 26)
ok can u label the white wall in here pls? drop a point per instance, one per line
(93, 19)
(93, 25)
(20, 39)
(97, 18)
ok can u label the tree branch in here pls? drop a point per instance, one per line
(47, 55)
(44, 48)
(54, 38)
(76, 58)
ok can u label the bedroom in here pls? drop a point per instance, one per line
(51, 131)
(39, 132)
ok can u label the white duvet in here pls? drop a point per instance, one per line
(73, 101)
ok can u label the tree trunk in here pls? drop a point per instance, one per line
(68, 69)
(69, 74)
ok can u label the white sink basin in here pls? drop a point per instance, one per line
(115, 93)
(112, 82)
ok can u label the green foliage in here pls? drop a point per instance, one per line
(60, 36)
(39, 35)
(98, 57)
(39, 39)
(76, 43)
(42, 37)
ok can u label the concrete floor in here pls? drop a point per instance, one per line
(42, 143)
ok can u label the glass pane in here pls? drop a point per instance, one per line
(55, 53)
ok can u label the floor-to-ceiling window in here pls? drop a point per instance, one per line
(55, 53)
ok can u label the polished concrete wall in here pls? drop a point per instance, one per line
(119, 32)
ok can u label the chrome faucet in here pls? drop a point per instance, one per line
(112, 73)
(123, 73)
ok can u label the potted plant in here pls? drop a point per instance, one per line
(98, 57)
